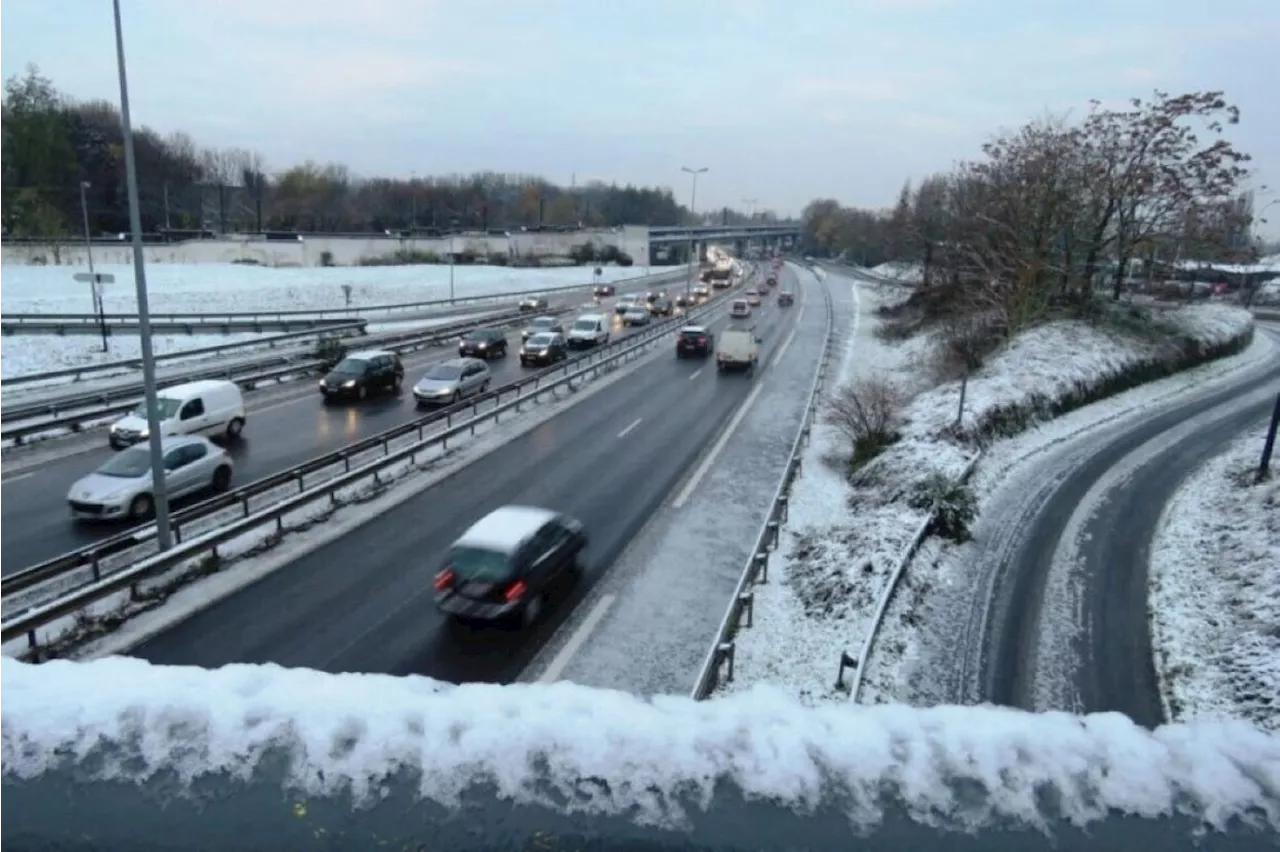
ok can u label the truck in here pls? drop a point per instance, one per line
(737, 349)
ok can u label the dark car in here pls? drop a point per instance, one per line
(363, 373)
(695, 340)
(654, 295)
(683, 301)
(605, 290)
(771, 281)
(504, 565)
(543, 349)
(483, 343)
(786, 298)
(660, 307)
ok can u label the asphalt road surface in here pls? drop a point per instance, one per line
(1098, 523)
(282, 431)
(364, 603)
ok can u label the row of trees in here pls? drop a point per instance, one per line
(1056, 209)
(53, 144)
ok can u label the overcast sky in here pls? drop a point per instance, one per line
(784, 100)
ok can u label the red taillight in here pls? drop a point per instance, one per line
(516, 590)
(444, 579)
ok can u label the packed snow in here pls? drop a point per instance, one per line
(212, 289)
(846, 536)
(648, 760)
(1214, 594)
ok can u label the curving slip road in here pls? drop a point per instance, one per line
(1065, 624)
(364, 603)
(284, 429)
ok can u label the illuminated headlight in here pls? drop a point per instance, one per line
(349, 383)
(481, 345)
(144, 434)
(323, 384)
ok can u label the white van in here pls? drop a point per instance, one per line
(213, 408)
(588, 330)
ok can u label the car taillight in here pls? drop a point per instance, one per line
(445, 579)
(515, 591)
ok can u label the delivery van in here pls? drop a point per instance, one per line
(213, 408)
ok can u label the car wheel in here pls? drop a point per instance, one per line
(141, 507)
(235, 427)
(362, 392)
(222, 478)
(532, 610)
(457, 395)
(397, 383)
(484, 386)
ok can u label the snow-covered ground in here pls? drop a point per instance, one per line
(900, 271)
(595, 752)
(210, 289)
(1214, 594)
(23, 354)
(843, 540)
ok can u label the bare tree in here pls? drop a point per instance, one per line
(867, 412)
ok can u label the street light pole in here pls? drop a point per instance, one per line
(693, 207)
(95, 286)
(159, 491)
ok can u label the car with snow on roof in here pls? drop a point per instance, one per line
(503, 567)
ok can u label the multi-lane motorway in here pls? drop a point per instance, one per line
(364, 602)
(284, 429)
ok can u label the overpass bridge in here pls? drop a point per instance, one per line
(676, 239)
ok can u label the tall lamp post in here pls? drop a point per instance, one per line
(693, 206)
(95, 286)
(159, 491)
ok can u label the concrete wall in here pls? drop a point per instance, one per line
(345, 251)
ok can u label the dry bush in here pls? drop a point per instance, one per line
(961, 343)
(867, 412)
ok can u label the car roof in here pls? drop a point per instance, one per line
(637, 308)
(168, 442)
(543, 319)
(694, 329)
(459, 362)
(201, 386)
(487, 330)
(592, 317)
(505, 529)
(365, 354)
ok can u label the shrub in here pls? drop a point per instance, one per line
(326, 258)
(496, 258)
(953, 503)
(867, 413)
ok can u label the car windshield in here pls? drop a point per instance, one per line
(351, 366)
(543, 322)
(483, 335)
(474, 564)
(166, 406)
(443, 372)
(585, 325)
(541, 339)
(693, 333)
(132, 463)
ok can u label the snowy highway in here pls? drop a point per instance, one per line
(285, 428)
(363, 602)
(1066, 627)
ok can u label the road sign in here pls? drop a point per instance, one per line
(96, 277)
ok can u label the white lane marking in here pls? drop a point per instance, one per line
(627, 431)
(693, 483)
(16, 477)
(577, 640)
(695, 374)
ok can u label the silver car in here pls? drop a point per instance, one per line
(533, 303)
(122, 488)
(449, 381)
(636, 315)
(542, 325)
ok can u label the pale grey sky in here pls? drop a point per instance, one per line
(784, 101)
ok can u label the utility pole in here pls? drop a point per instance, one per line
(95, 285)
(160, 494)
(693, 207)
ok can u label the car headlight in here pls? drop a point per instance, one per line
(323, 384)
(349, 383)
(481, 345)
(144, 434)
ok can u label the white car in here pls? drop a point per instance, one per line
(740, 309)
(636, 315)
(588, 330)
(624, 303)
(210, 407)
(753, 298)
(122, 489)
(534, 303)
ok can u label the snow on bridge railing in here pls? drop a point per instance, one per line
(119, 754)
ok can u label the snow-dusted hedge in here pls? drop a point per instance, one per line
(264, 757)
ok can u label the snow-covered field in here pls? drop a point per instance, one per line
(210, 289)
(22, 354)
(1214, 595)
(570, 748)
(843, 540)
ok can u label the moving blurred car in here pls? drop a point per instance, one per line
(694, 340)
(449, 381)
(786, 298)
(636, 315)
(701, 293)
(502, 567)
(122, 489)
(542, 325)
(661, 307)
(739, 309)
(362, 373)
(752, 297)
(588, 330)
(483, 343)
(603, 290)
(534, 303)
(625, 302)
(543, 349)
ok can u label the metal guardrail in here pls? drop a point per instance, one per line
(102, 576)
(756, 570)
(18, 319)
(891, 587)
(108, 402)
(356, 326)
(53, 327)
